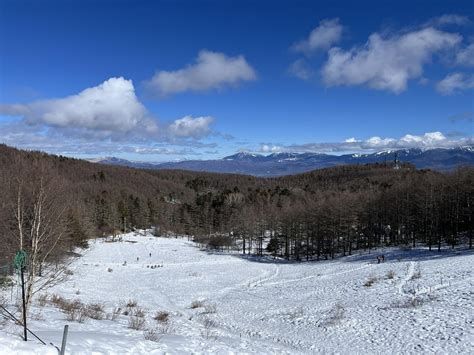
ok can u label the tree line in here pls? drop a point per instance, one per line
(314, 215)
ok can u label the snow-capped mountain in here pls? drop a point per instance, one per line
(278, 164)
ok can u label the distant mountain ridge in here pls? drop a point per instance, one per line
(278, 164)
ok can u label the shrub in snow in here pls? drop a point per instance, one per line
(5, 282)
(115, 313)
(197, 304)
(336, 314)
(65, 305)
(131, 303)
(43, 300)
(210, 308)
(139, 312)
(209, 324)
(161, 316)
(95, 311)
(152, 335)
(136, 323)
(76, 312)
(38, 315)
(110, 269)
(220, 241)
(370, 281)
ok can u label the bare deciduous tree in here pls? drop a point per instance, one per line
(39, 212)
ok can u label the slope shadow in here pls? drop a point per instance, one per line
(401, 254)
(391, 254)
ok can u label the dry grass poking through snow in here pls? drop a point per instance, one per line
(370, 281)
(115, 313)
(152, 335)
(335, 315)
(136, 323)
(196, 304)
(209, 325)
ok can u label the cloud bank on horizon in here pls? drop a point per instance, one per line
(110, 117)
(430, 140)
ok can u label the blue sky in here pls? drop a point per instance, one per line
(166, 80)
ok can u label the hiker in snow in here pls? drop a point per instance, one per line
(150, 255)
(378, 259)
(383, 258)
(138, 258)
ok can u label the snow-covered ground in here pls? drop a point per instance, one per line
(252, 306)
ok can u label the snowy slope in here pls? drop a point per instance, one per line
(261, 307)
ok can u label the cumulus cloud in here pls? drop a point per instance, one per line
(106, 118)
(454, 83)
(110, 107)
(300, 69)
(387, 62)
(328, 33)
(212, 70)
(465, 56)
(271, 148)
(110, 110)
(428, 140)
(191, 127)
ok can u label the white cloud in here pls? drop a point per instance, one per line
(428, 140)
(110, 110)
(377, 142)
(328, 33)
(270, 148)
(95, 120)
(191, 127)
(465, 56)
(111, 107)
(387, 62)
(212, 70)
(454, 83)
(300, 69)
(449, 19)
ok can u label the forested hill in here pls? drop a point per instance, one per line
(320, 213)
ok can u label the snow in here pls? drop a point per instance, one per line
(261, 306)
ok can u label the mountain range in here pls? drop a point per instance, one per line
(279, 164)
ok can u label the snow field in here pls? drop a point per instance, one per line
(260, 306)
